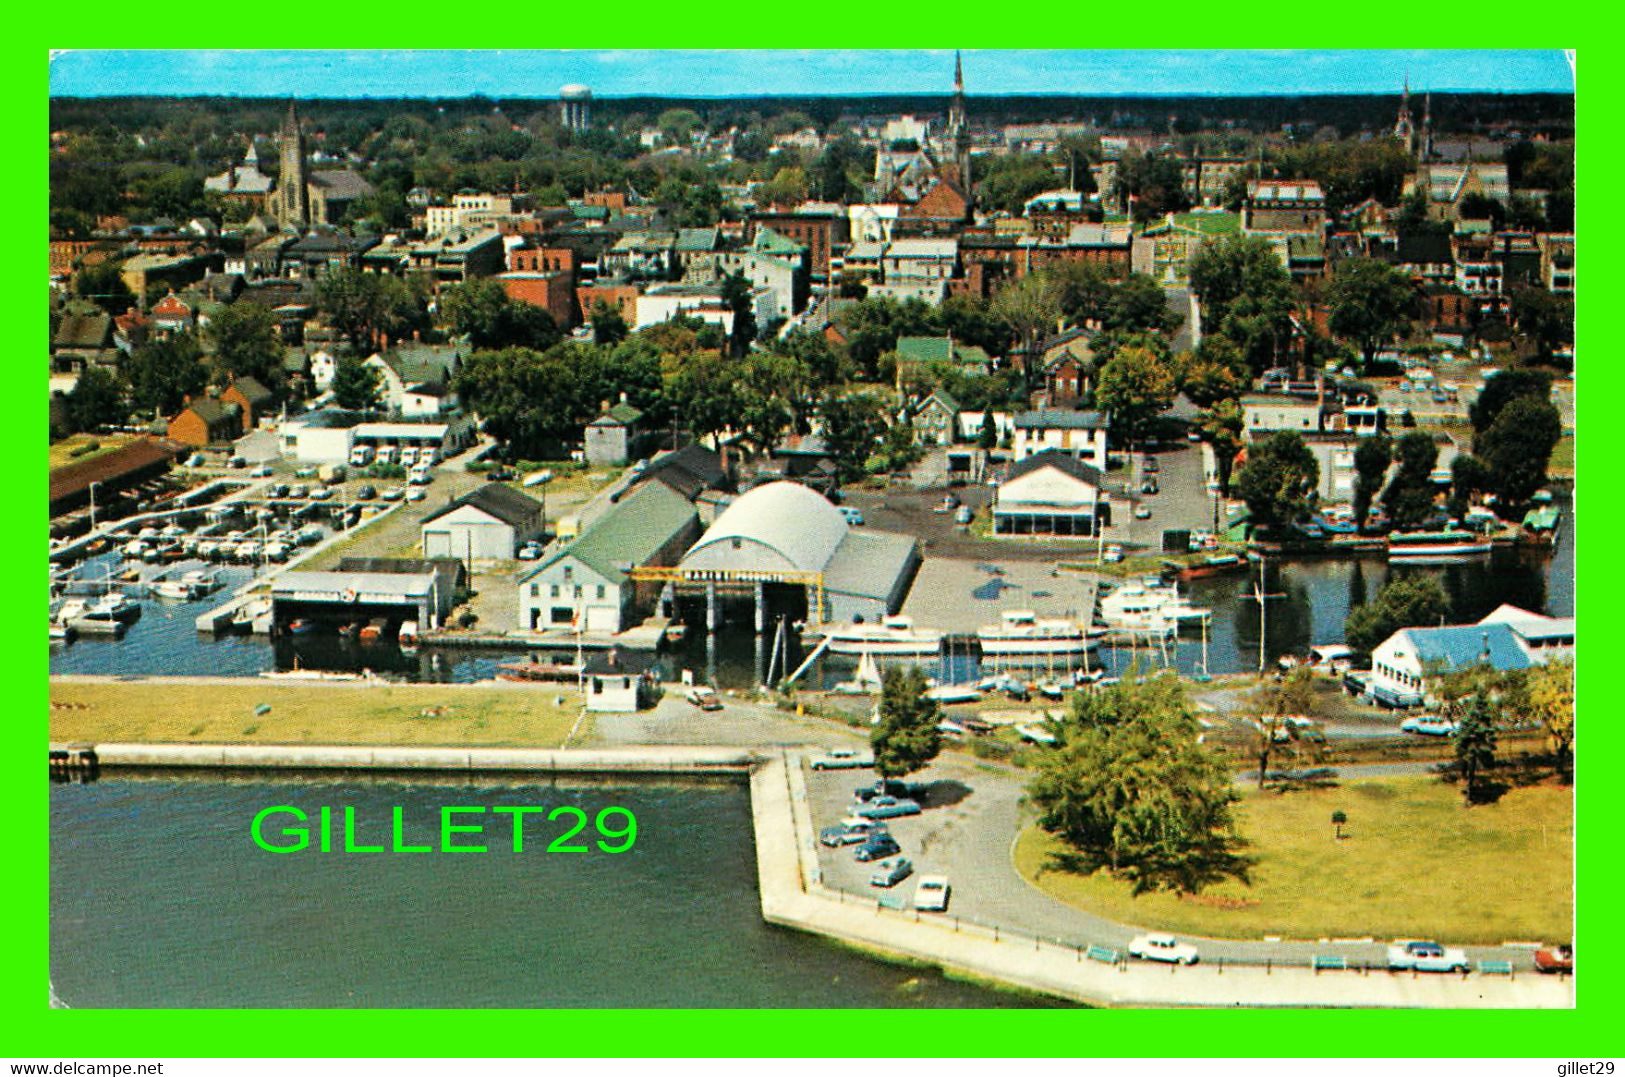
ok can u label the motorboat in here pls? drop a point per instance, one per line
(408, 634)
(1023, 632)
(1436, 547)
(954, 693)
(300, 626)
(1137, 608)
(116, 605)
(70, 609)
(374, 630)
(893, 635)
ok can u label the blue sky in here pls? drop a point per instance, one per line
(689, 72)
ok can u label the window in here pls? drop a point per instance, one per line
(554, 590)
(578, 590)
(535, 590)
(600, 590)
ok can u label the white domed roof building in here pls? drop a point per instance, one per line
(783, 532)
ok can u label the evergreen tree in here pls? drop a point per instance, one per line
(907, 738)
(356, 384)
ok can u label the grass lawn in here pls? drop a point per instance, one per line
(1414, 863)
(1562, 461)
(336, 713)
(62, 451)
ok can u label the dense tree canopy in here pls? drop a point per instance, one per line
(1408, 601)
(1129, 789)
(907, 738)
(164, 371)
(1278, 480)
(1371, 302)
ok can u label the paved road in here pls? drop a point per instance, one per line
(974, 811)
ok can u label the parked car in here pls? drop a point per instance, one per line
(236, 462)
(878, 847)
(197, 459)
(1419, 955)
(1149, 486)
(854, 518)
(307, 472)
(262, 471)
(851, 831)
(1142, 512)
(1113, 554)
(888, 787)
(394, 493)
(366, 492)
(889, 873)
(931, 895)
(278, 489)
(1156, 946)
(530, 551)
(1150, 464)
(1428, 725)
(416, 493)
(1554, 959)
(963, 515)
(888, 808)
(321, 493)
(704, 698)
(502, 474)
(842, 759)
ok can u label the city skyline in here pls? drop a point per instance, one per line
(735, 73)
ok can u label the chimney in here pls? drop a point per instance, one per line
(417, 336)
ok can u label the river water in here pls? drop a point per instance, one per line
(159, 898)
(1316, 595)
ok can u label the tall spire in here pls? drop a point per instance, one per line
(1404, 129)
(959, 74)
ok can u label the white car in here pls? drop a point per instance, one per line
(931, 895)
(1165, 948)
(1428, 725)
(1419, 955)
(1113, 554)
(263, 471)
(843, 759)
(416, 493)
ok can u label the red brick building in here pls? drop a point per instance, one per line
(820, 231)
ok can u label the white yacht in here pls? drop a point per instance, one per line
(1134, 607)
(1023, 632)
(893, 635)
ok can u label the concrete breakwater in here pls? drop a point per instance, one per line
(792, 893)
(676, 759)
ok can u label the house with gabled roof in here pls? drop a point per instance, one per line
(586, 584)
(1052, 494)
(610, 437)
(1507, 639)
(1080, 434)
(252, 397)
(488, 524)
(206, 421)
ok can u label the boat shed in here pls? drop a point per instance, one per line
(783, 533)
(352, 596)
(488, 524)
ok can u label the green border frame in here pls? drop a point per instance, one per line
(33, 1029)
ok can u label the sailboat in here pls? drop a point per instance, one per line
(865, 681)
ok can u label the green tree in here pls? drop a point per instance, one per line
(608, 326)
(1137, 304)
(1518, 446)
(1223, 427)
(853, 426)
(364, 307)
(356, 384)
(1278, 702)
(1475, 744)
(1031, 307)
(1409, 498)
(907, 738)
(164, 371)
(1136, 386)
(1246, 294)
(1278, 480)
(1502, 388)
(247, 343)
(1551, 703)
(1371, 459)
(738, 294)
(988, 437)
(492, 320)
(1415, 601)
(1371, 304)
(103, 284)
(1129, 789)
(96, 400)
(1545, 320)
(1215, 371)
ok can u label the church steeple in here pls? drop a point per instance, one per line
(292, 196)
(959, 126)
(1427, 126)
(1404, 129)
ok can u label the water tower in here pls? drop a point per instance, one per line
(575, 106)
